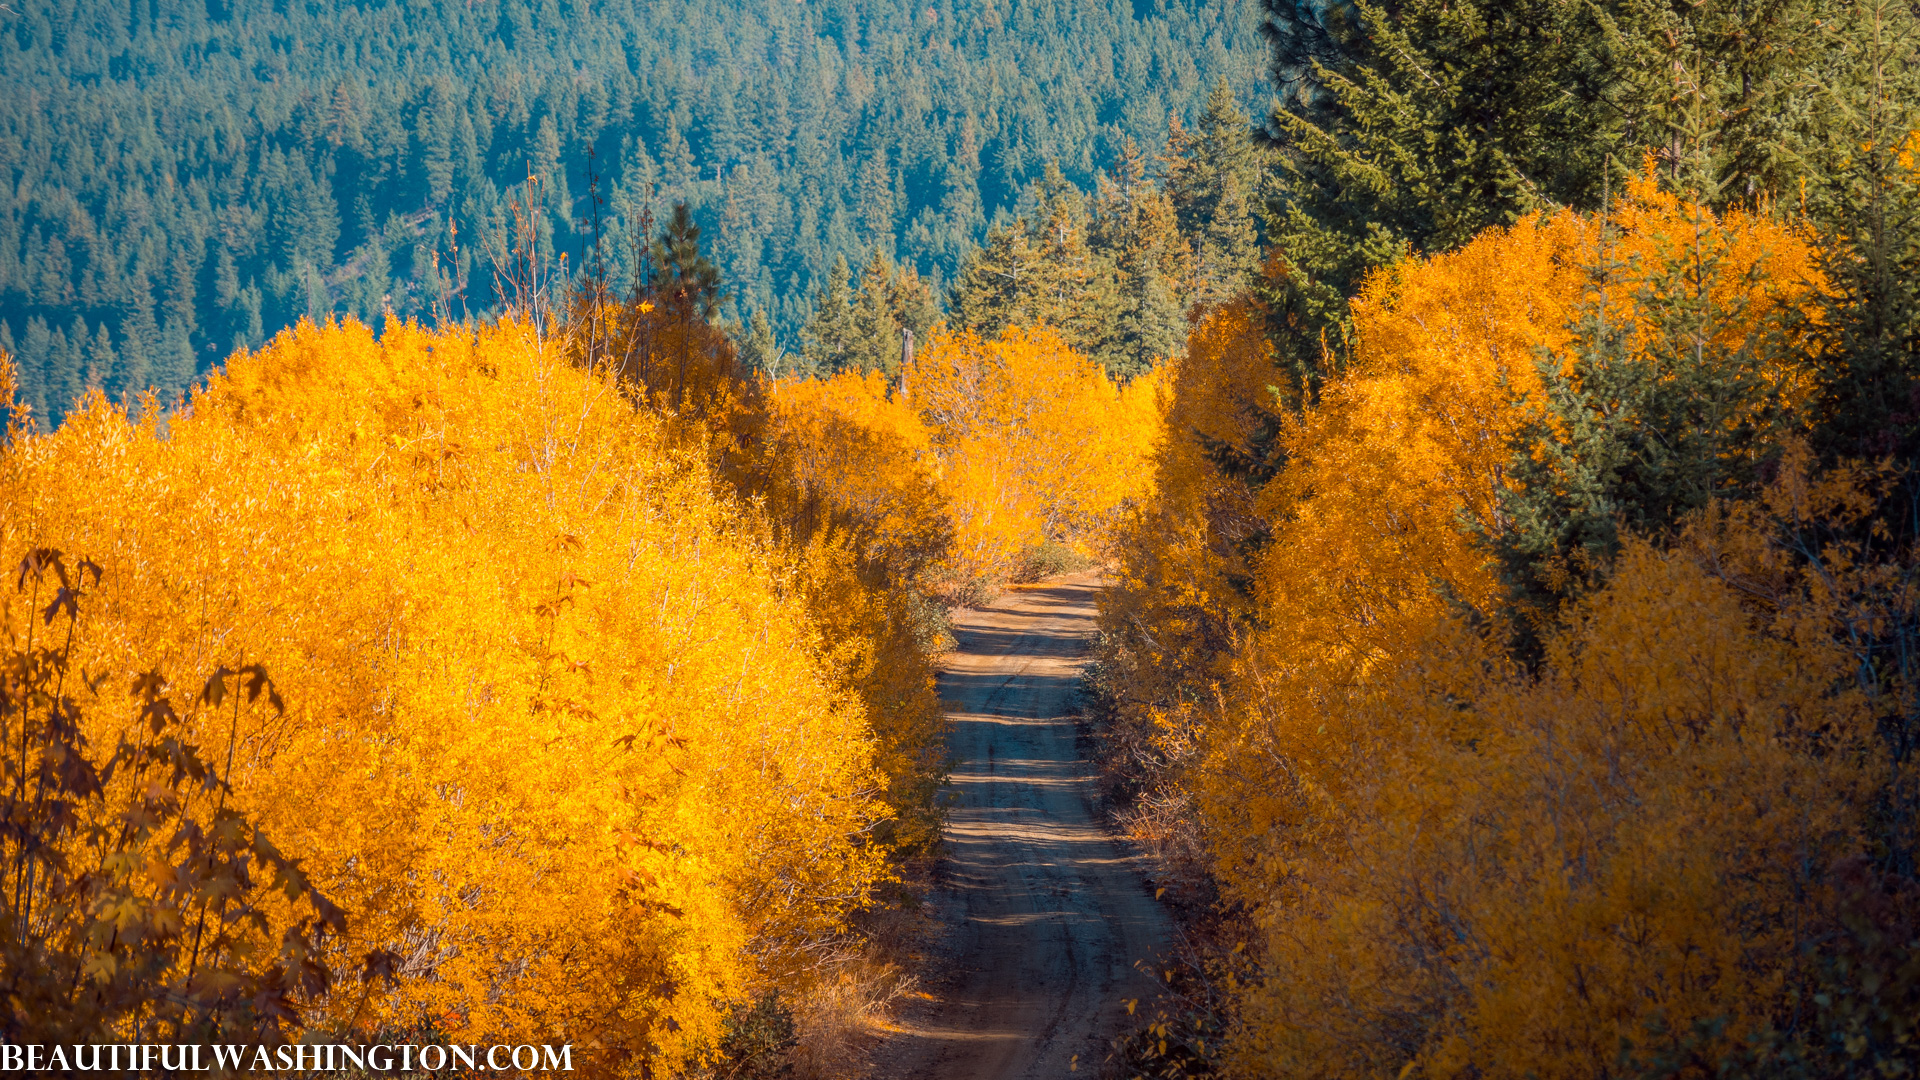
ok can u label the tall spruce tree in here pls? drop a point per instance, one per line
(996, 285)
(100, 359)
(1038, 270)
(687, 278)
(1213, 178)
(759, 352)
(1412, 125)
(876, 330)
(915, 307)
(139, 338)
(1867, 200)
(1136, 238)
(830, 335)
(1070, 285)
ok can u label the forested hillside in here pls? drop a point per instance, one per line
(183, 180)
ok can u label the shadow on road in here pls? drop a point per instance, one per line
(1048, 909)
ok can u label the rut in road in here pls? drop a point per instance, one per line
(1048, 909)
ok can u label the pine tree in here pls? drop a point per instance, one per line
(176, 365)
(1070, 290)
(74, 374)
(876, 332)
(760, 353)
(1136, 238)
(1651, 416)
(546, 150)
(100, 359)
(830, 334)
(36, 355)
(687, 277)
(876, 204)
(676, 159)
(995, 287)
(435, 128)
(1868, 202)
(1037, 270)
(1213, 178)
(344, 122)
(914, 305)
(139, 339)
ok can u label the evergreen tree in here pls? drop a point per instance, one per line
(997, 283)
(546, 151)
(1213, 177)
(1642, 425)
(830, 335)
(876, 330)
(100, 359)
(62, 374)
(37, 343)
(176, 365)
(1038, 270)
(1412, 126)
(80, 373)
(1868, 200)
(139, 338)
(877, 204)
(676, 159)
(760, 353)
(915, 308)
(436, 126)
(1136, 236)
(1070, 289)
(687, 279)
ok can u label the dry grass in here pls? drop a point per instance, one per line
(847, 1013)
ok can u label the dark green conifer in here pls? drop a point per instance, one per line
(1867, 198)
(759, 352)
(914, 305)
(100, 359)
(876, 330)
(997, 283)
(1136, 237)
(1213, 177)
(1038, 270)
(830, 335)
(687, 278)
(139, 338)
(1642, 425)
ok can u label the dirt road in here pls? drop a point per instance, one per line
(1047, 911)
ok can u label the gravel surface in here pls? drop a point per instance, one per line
(1046, 910)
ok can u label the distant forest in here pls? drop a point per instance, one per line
(184, 180)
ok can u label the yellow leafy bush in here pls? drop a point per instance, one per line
(1033, 442)
(1449, 865)
(1369, 548)
(1619, 863)
(559, 730)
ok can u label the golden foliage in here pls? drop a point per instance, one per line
(1452, 866)
(558, 729)
(1622, 860)
(1033, 442)
(984, 449)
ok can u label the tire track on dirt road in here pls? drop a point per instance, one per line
(1047, 910)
